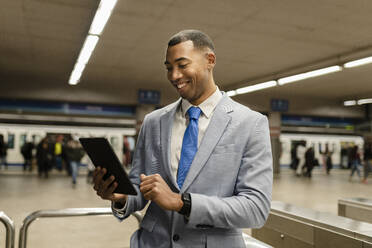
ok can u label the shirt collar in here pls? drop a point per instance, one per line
(207, 107)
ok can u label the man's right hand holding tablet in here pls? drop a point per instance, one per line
(105, 188)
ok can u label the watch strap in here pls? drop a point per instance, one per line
(186, 208)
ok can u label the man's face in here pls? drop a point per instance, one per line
(188, 71)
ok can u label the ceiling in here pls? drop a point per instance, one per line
(256, 40)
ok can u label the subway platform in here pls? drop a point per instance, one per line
(22, 193)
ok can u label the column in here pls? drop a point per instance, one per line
(141, 111)
(275, 125)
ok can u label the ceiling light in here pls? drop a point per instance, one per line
(255, 87)
(309, 74)
(76, 73)
(101, 17)
(231, 93)
(87, 50)
(350, 103)
(358, 62)
(364, 101)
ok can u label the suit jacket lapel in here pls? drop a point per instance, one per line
(215, 129)
(166, 125)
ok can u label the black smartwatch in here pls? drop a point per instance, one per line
(186, 208)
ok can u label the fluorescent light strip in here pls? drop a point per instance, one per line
(76, 74)
(309, 74)
(85, 53)
(364, 101)
(256, 87)
(358, 62)
(350, 103)
(100, 19)
(87, 50)
(102, 15)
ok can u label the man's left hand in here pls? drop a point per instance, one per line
(154, 188)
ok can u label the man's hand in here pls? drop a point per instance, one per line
(105, 188)
(154, 188)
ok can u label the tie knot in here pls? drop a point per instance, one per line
(194, 112)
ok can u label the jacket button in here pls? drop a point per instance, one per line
(176, 237)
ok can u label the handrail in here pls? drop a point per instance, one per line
(9, 225)
(67, 212)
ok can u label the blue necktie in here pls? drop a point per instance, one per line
(189, 145)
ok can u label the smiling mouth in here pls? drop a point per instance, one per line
(180, 86)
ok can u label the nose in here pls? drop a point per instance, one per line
(174, 74)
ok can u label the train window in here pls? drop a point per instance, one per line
(22, 139)
(114, 142)
(10, 140)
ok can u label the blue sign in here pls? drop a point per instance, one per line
(149, 96)
(37, 106)
(318, 121)
(279, 105)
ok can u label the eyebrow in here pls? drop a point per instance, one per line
(177, 60)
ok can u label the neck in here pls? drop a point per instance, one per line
(209, 91)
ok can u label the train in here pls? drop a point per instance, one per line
(319, 142)
(15, 135)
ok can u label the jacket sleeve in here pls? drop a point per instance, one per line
(135, 202)
(250, 205)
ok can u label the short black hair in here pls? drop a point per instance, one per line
(198, 38)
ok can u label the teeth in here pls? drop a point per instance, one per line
(179, 86)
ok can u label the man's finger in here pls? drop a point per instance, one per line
(148, 195)
(146, 188)
(96, 171)
(99, 175)
(111, 189)
(108, 182)
(99, 178)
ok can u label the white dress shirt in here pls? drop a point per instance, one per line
(181, 120)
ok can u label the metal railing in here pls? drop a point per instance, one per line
(67, 212)
(10, 233)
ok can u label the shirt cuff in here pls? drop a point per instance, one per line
(118, 209)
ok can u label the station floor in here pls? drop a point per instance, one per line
(22, 193)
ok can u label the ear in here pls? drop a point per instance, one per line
(211, 60)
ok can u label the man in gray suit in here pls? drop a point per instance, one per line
(204, 161)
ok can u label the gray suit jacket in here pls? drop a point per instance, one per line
(230, 179)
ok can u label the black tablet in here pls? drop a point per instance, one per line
(101, 153)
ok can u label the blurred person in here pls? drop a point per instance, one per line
(344, 157)
(58, 149)
(300, 153)
(350, 155)
(329, 162)
(326, 159)
(43, 157)
(126, 153)
(204, 162)
(355, 162)
(367, 161)
(26, 151)
(74, 153)
(323, 153)
(309, 161)
(294, 159)
(3, 152)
